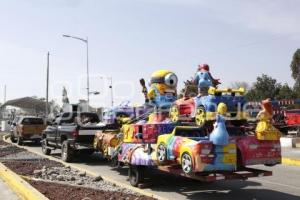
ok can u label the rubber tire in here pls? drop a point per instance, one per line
(170, 113)
(45, 150)
(270, 165)
(67, 153)
(204, 111)
(162, 162)
(136, 175)
(115, 164)
(191, 167)
(20, 141)
(87, 152)
(12, 138)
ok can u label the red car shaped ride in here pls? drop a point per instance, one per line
(251, 151)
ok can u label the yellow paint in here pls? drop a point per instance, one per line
(20, 186)
(128, 131)
(213, 90)
(289, 161)
(160, 73)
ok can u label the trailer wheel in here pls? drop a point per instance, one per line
(13, 138)
(66, 152)
(161, 153)
(186, 163)
(270, 165)
(20, 141)
(136, 175)
(115, 163)
(45, 150)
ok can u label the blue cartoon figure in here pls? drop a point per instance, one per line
(219, 136)
(204, 80)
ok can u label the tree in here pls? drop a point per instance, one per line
(264, 87)
(285, 92)
(295, 68)
(295, 65)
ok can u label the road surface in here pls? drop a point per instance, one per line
(284, 184)
(6, 193)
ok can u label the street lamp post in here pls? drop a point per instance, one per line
(87, 64)
(111, 89)
(47, 87)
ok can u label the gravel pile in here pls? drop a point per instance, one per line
(9, 149)
(75, 177)
(19, 155)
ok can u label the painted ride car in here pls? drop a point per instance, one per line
(201, 109)
(251, 151)
(122, 113)
(191, 148)
(106, 142)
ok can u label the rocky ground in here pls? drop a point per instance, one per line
(57, 191)
(57, 181)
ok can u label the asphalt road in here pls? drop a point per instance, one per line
(284, 184)
(6, 192)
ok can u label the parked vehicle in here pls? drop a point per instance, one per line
(27, 128)
(71, 132)
(13, 123)
(203, 108)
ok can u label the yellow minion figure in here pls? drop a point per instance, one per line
(163, 88)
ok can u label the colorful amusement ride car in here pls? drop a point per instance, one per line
(201, 109)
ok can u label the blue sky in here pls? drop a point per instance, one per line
(130, 39)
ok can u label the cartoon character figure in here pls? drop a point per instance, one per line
(162, 92)
(219, 135)
(264, 129)
(204, 80)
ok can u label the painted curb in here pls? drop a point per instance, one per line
(20, 186)
(290, 161)
(105, 178)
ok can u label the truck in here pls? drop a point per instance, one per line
(26, 128)
(72, 132)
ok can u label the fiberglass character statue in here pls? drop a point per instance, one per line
(204, 80)
(162, 92)
(219, 136)
(264, 129)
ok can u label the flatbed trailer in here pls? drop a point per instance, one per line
(137, 174)
(243, 174)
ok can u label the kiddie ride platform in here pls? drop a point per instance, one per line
(242, 174)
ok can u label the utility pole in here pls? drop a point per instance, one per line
(87, 74)
(4, 94)
(47, 86)
(111, 92)
(86, 41)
